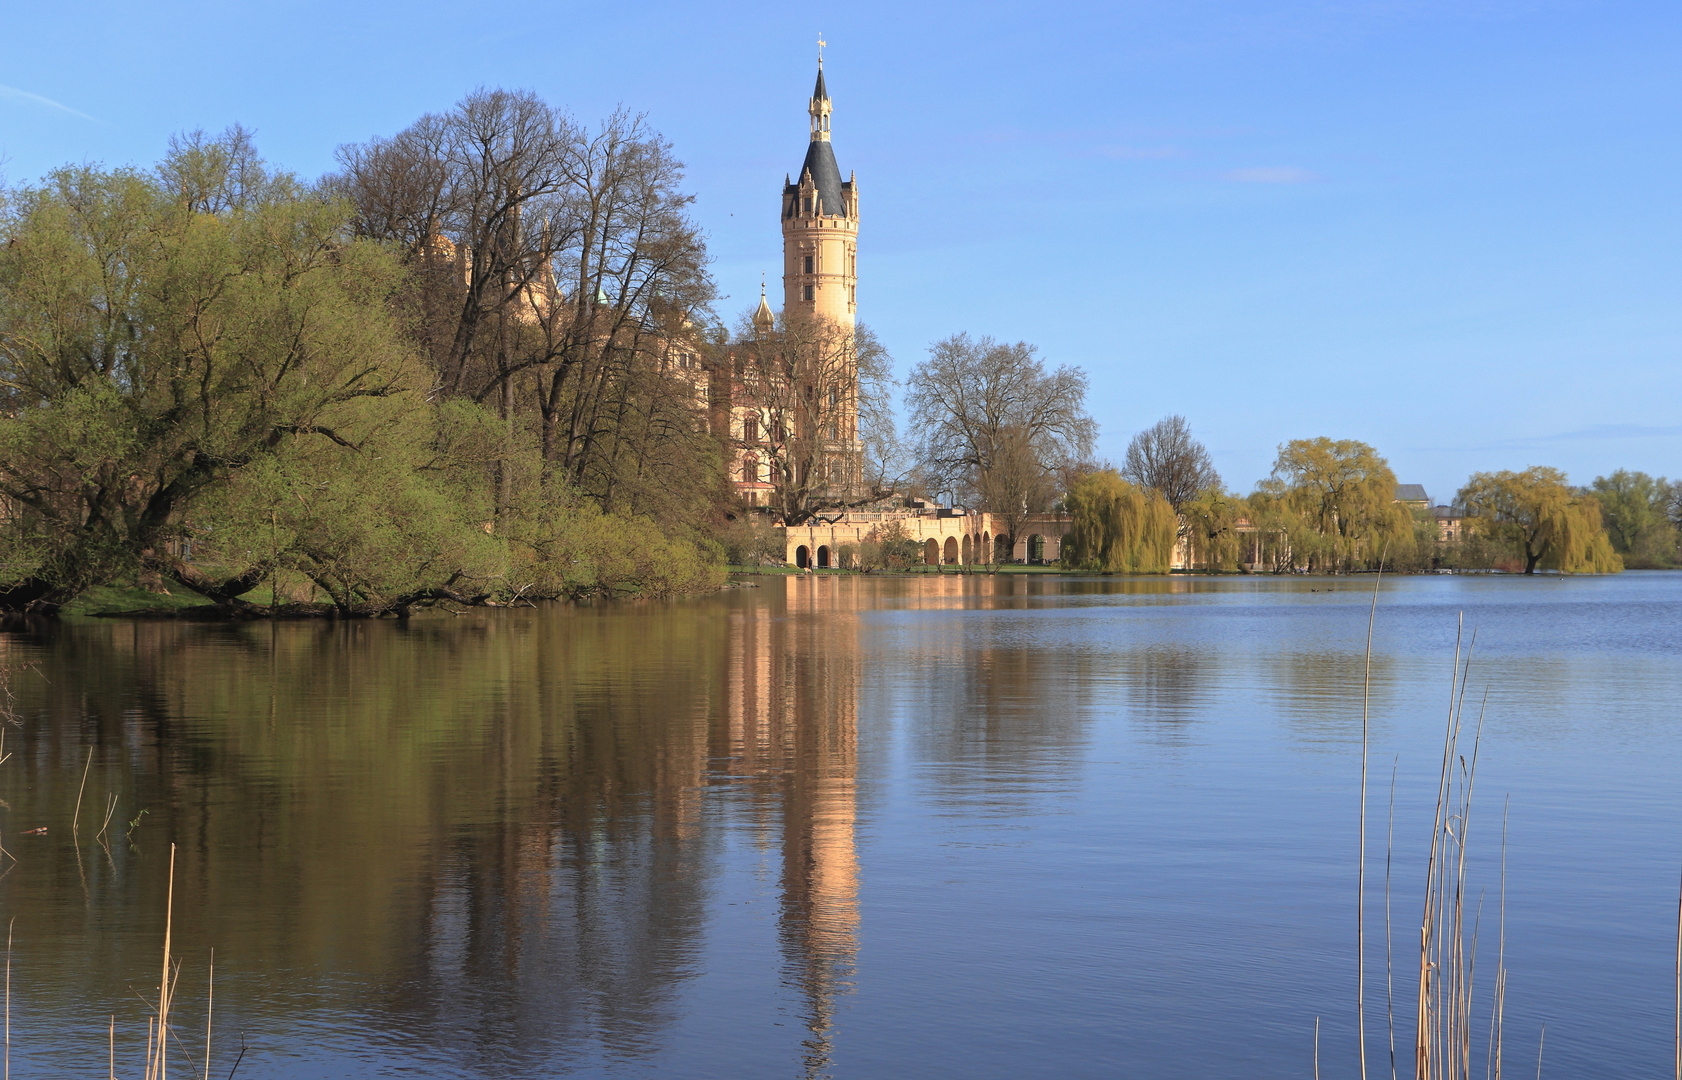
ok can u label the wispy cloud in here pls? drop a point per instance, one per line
(1609, 431)
(1140, 153)
(14, 94)
(1271, 174)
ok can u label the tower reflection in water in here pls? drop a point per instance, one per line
(790, 740)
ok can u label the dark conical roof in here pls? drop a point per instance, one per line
(818, 92)
(826, 175)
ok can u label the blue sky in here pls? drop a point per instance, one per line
(1449, 229)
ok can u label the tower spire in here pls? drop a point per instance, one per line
(819, 107)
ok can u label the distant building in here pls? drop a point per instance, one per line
(1451, 523)
(1413, 496)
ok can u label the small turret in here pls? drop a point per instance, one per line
(763, 319)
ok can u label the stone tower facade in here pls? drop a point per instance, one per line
(798, 433)
(821, 228)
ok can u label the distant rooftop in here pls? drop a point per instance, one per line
(1411, 493)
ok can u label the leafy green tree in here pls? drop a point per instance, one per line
(1117, 527)
(1633, 506)
(156, 340)
(1211, 529)
(1334, 500)
(1542, 519)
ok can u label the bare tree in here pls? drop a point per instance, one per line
(1164, 456)
(994, 422)
(1018, 484)
(816, 416)
(556, 276)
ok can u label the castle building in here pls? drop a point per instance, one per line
(809, 411)
(821, 228)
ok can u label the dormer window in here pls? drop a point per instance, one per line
(807, 203)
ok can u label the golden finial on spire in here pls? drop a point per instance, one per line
(821, 44)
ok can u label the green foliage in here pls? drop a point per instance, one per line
(1117, 527)
(149, 352)
(1635, 509)
(1332, 503)
(1211, 522)
(210, 355)
(889, 547)
(751, 540)
(1541, 520)
(574, 549)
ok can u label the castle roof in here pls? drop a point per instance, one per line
(818, 92)
(826, 177)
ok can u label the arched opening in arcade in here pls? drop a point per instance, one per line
(1036, 550)
(984, 553)
(951, 551)
(966, 553)
(1001, 549)
(823, 556)
(931, 552)
(802, 557)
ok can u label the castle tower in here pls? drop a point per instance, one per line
(821, 228)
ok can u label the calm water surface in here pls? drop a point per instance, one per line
(850, 827)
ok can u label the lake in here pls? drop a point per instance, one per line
(967, 826)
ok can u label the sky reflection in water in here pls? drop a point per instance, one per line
(842, 826)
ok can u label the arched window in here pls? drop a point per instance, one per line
(750, 469)
(750, 429)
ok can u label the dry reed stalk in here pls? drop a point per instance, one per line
(1498, 1004)
(161, 1069)
(1539, 1043)
(76, 819)
(209, 1009)
(1316, 1048)
(1447, 960)
(110, 808)
(9, 998)
(112, 1044)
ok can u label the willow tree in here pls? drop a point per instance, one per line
(1546, 523)
(1335, 501)
(1117, 527)
(161, 335)
(1211, 529)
